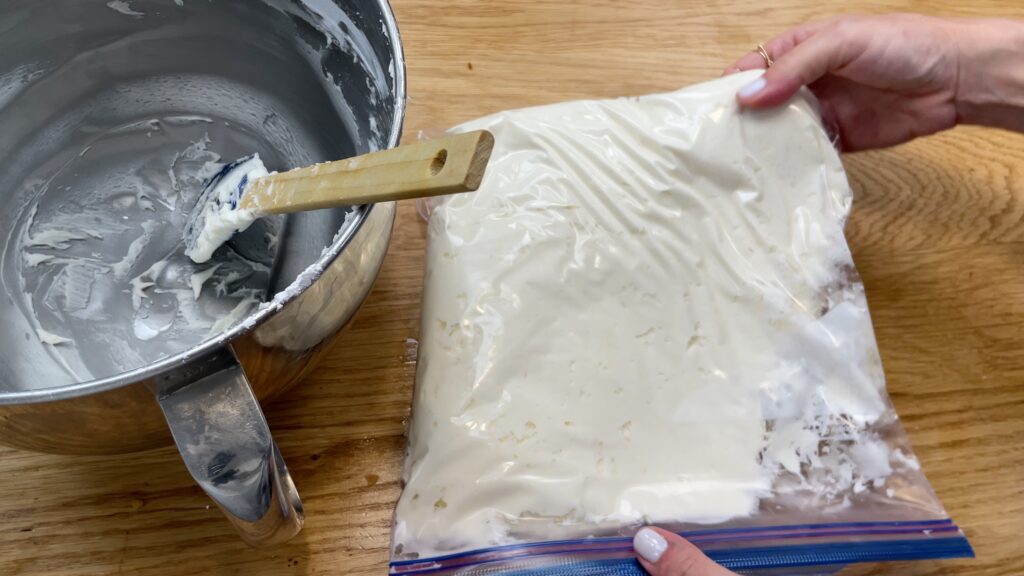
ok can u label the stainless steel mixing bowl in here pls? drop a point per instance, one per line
(96, 99)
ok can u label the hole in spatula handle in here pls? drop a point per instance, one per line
(438, 162)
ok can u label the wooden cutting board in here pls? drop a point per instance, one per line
(937, 234)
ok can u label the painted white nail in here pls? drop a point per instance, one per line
(650, 545)
(752, 88)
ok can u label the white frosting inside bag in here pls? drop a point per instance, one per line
(645, 314)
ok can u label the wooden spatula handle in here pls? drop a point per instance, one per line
(446, 165)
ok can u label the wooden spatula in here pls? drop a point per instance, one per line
(444, 166)
(242, 192)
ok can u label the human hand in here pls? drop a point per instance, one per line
(883, 80)
(663, 553)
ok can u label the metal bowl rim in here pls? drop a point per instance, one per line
(261, 315)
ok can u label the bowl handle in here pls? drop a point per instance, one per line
(223, 437)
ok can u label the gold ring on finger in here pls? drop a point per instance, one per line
(764, 54)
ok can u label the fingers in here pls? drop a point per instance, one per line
(663, 553)
(750, 61)
(807, 62)
(778, 46)
(753, 60)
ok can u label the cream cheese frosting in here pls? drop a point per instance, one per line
(647, 313)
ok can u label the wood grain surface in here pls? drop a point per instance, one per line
(936, 232)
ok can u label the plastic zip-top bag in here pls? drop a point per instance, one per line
(648, 314)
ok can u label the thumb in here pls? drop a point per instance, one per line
(663, 553)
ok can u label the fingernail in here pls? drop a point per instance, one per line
(649, 545)
(752, 88)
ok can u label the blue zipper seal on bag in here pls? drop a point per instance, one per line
(821, 555)
(878, 542)
(843, 553)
